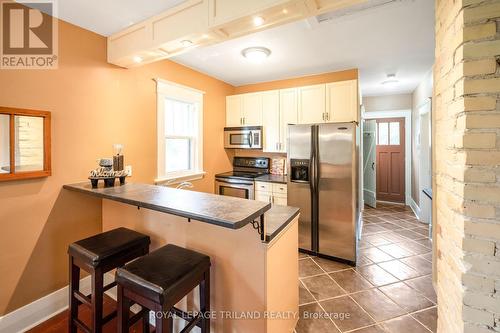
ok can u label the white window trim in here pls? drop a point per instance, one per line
(168, 89)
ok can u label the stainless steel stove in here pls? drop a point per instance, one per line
(240, 182)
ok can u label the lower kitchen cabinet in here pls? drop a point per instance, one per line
(271, 192)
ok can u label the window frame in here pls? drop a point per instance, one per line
(167, 89)
(47, 168)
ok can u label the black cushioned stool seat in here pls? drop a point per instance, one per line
(97, 255)
(159, 280)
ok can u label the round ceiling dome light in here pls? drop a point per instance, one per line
(391, 80)
(256, 54)
(137, 59)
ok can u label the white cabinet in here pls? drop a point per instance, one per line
(311, 104)
(244, 110)
(263, 196)
(252, 109)
(271, 120)
(271, 192)
(288, 114)
(234, 110)
(279, 110)
(276, 109)
(342, 101)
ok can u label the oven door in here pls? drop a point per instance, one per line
(234, 188)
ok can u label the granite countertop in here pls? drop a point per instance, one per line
(281, 179)
(277, 218)
(224, 211)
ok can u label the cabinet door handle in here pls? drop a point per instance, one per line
(273, 199)
(327, 116)
(244, 120)
(323, 116)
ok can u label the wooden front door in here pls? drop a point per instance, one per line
(391, 159)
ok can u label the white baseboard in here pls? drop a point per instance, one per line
(36, 312)
(415, 208)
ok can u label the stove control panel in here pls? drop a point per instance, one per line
(251, 162)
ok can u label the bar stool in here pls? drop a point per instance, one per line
(97, 255)
(159, 280)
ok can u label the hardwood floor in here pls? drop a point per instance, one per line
(59, 323)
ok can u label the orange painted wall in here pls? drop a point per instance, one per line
(350, 74)
(93, 105)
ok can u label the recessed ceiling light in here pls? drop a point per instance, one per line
(186, 43)
(256, 54)
(391, 80)
(258, 21)
(137, 59)
(285, 11)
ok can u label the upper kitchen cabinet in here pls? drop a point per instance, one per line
(236, 18)
(252, 109)
(288, 114)
(162, 36)
(342, 101)
(234, 111)
(271, 120)
(244, 110)
(311, 104)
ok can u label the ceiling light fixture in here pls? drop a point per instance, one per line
(258, 21)
(256, 54)
(285, 11)
(137, 59)
(391, 80)
(186, 43)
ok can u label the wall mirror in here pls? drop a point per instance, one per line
(24, 144)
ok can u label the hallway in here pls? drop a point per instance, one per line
(390, 289)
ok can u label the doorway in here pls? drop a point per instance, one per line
(391, 159)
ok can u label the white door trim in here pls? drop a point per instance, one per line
(399, 114)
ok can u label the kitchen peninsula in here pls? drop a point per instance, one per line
(251, 274)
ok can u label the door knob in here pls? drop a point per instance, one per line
(373, 165)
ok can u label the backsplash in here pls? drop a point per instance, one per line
(256, 153)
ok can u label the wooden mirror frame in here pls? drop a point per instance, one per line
(47, 171)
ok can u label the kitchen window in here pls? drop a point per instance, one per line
(180, 133)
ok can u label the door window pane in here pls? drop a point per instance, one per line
(28, 143)
(394, 133)
(178, 154)
(4, 144)
(383, 134)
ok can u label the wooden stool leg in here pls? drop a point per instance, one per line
(164, 324)
(145, 321)
(123, 308)
(97, 295)
(74, 284)
(205, 302)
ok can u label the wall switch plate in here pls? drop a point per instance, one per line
(128, 168)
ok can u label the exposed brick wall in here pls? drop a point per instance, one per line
(467, 165)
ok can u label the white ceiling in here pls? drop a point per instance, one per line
(393, 38)
(106, 17)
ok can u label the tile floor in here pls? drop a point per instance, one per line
(390, 289)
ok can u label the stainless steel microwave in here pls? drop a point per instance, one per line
(248, 137)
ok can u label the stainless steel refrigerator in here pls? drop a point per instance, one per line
(323, 183)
